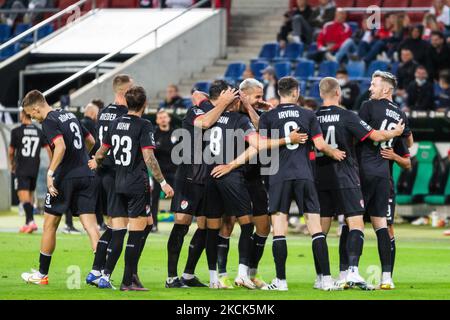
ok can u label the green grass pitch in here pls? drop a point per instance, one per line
(422, 268)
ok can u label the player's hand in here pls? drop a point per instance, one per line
(228, 96)
(264, 105)
(338, 155)
(245, 100)
(51, 188)
(168, 190)
(221, 170)
(399, 127)
(92, 163)
(297, 137)
(388, 154)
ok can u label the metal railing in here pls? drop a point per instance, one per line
(387, 9)
(34, 30)
(116, 52)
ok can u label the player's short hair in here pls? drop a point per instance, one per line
(286, 85)
(136, 98)
(24, 114)
(173, 86)
(328, 85)
(32, 98)
(386, 77)
(250, 83)
(99, 103)
(216, 88)
(119, 80)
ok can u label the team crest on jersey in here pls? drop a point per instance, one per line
(198, 111)
(184, 204)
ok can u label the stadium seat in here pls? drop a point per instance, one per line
(22, 27)
(292, 52)
(421, 3)
(344, 3)
(440, 199)
(282, 69)
(62, 4)
(364, 85)
(5, 32)
(356, 69)
(188, 104)
(124, 3)
(394, 66)
(395, 3)
(312, 47)
(234, 71)
(421, 187)
(203, 86)
(314, 91)
(45, 31)
(9, 51)
(377, 65)
(304, 69)
(257, 67)
(269, 51)
(302, 87)
(328, 69)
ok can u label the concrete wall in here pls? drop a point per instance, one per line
(188, 53)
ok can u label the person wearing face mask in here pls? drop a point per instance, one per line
(420, 93)
(349, 89)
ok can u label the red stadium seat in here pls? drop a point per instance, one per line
(62, 4)
(99, 4)
(395, 3)
(367, 3)
(416, 17)
(344, 3)
(124, 3)
(421, 3)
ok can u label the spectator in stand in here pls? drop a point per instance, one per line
(311, 104)
(405, 73)
(438, 56)
(296, 23)
(415, 43)
(247, 73)
(146, 3)
(177, 4)
(323, 13)
(420, 92)
(14, 5)
(442, 13)
(349, 89)
(24, 4)
(89, 121)
(270, 84)
(444, 94)
(430, 25)
(332, 36)
(173, 99)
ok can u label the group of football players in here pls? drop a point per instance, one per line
(239, 159)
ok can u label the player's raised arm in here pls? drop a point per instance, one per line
(153, 167)
(205, 121)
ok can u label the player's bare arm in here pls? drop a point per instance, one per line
(58, 155)
(98, 157)
(323, 147)
(385, 135)
(12, 162)
(403, 162)
(153, 166)
(260, 143)
(90, 142)
(244, 157)
(410, 140)
(208, 119)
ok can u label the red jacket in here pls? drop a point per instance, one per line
(333, 32)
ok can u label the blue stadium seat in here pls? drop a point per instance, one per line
(377, 65)
(45, 31)
(364, 85)
(22, 27)
(187, 102)
(9, 51)
(234, 71)
(312, 47)
(314, 91)
(328, 69)
(282, 69)
(354, 26)
(292, 52)
(303, 87)
(203, 86)
(356, 69)
(269, 51)
(304, 69)
(394, 67)
(5, 32)
(257, 67)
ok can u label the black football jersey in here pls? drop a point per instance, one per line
(192, 167)
(126, 137)
(90, 126)
(60, 123)
(226, 139)
(27, 141)
(104, 119)
(381, 115)
(340, 128)
(293, 161)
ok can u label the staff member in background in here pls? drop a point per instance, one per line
(165, 141)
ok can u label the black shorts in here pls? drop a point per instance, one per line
(25, 183)
(258, 197)
(376, 195)
(302, 191)
(106, 199)
(227, 196)
(130, 205)
(188, 198)
(79, 195)
(348, 202)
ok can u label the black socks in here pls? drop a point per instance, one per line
(101, 251)
(245, 243)
(392, 254)
(174, 246)
(223, 246)
(258, 244)
(28, 208)
(279, 251)
(384, 249)
(355, 245)
(212, 238)
(44, 263)
(114, 250)
(196, 248)
(320, 251)
(132, 253)
(343, 255)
